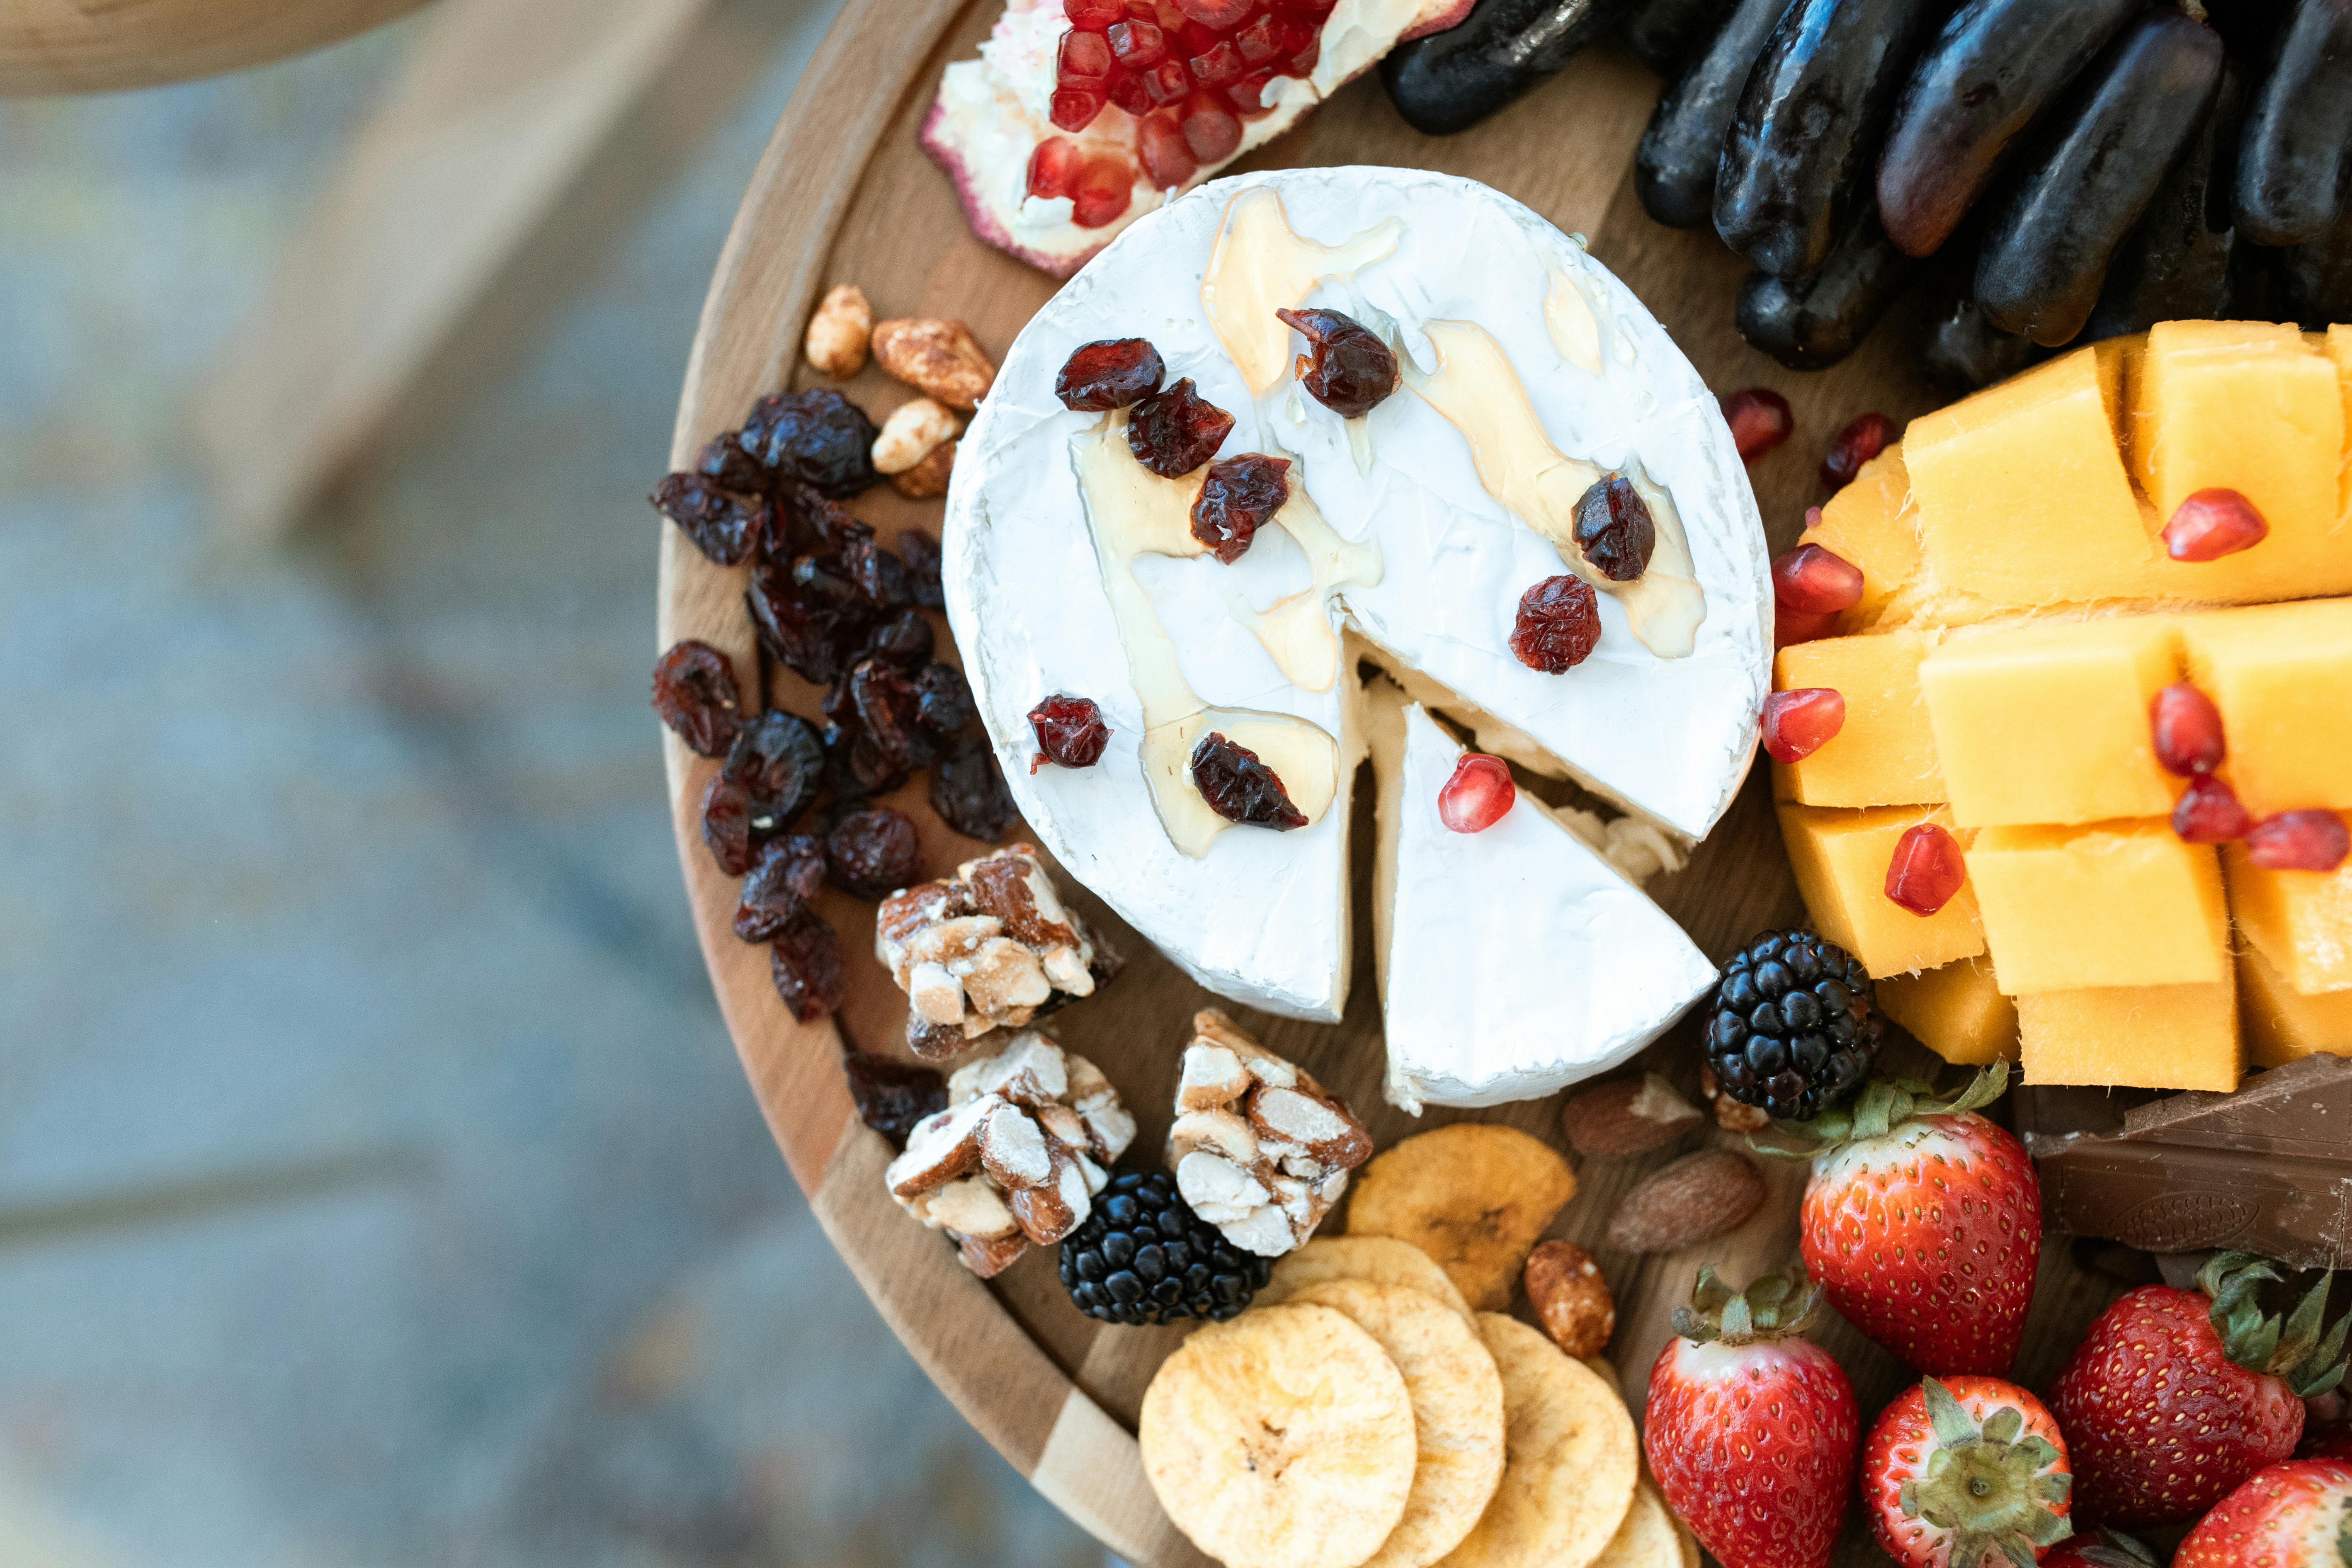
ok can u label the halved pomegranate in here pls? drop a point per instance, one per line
(1152, 95)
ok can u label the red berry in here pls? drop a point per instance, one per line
(2214, 523)
(1800, 723)
(2207, 813)
(1083, 60)
(1094, 15)
(1790, 626)
(1558, 625)
(1927, 870)
(1210, 129)
(1136, 45)
(1218, 13)
(1053, 167)
(1101, 192)
(1478, 795)
(1865, 436)
(1167, 160)
(1075, 108)
(1760, 419)
(2298, 841)
(1816, 582)
(2188, 731)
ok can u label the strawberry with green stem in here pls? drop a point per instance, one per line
(2294, 1515)
(1967, 1474)
(1923, 1220)
(1750, 1428)
(2175, 1397)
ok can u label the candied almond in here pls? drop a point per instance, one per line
(910, 433)
(1571, 1298)
(935, 355)
(838, 331)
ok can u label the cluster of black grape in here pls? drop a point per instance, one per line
(2061, 169)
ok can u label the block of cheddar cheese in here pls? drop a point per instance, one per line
(2300, 920)
(2147, 1037)
(2282, 1023)
(1841, 859)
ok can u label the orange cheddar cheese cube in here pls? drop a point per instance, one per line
(2300, 920)
(2113, 904)
(1883, 754)
(1957, 1011)
(2281, 676)
(1872, 523)
(2282, 1023)
(2149, 1037)
(2048, 722)
(1841, 859)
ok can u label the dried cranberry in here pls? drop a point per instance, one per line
(779, 762)
(1865, 436)
(943, 699)
(723, 461)
(1478, 794)
(906, 640)
(725, 526)
(2212, 523)
(1613, 529)
(873, 852)
(889, 709)
(1799, 722)
(1174, 431)
(2298, 841)
(1070, 731)
(890, 1096)
(825, 581)
(817, 437)
(811, 638)
(853, 765)
(2187, 731)
(1812, 581)
(815, 524)
(878, 576)
(1237, 498)
(2209, 812)
(784, 877)
(967, 790)
(1351, 370)
(806, 966)
(1558, 625)
(1925, 870)
(1240, 788)
(1760, 419)
(694, 692)
(920, 552)
(1110, 374)
(727, 825)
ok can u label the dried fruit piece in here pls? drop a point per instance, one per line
(2298, 841)
(805, 962)
(1558, 625)
(1800, 722)
(1614, 530)
(725, 526)
(873, 852)
(938, 356)
(2212, 523)
(892, 1096)
(890, 709)
(1474, 1195)
(906, 640)
(778, 760)
(2209, 812)
(967, 790)
(1114, 373)
(1925, 870)
(1235, 501)
(1760, 419)
(784, 877)
(1071, 732)
(818, 438)
(1477, 795)
(1349, 370)
(1812, 581)
(2187, 729)
(853, 765)
(694, 692)
(943, 700)
(1865, 436)
(724, 460)
(727, 826)
(1571, 1298)
(1240, 788)
(1174, 431)
(920, 552)
(837, 331)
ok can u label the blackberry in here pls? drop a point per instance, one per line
(1795, 1025)
(1144, 1257)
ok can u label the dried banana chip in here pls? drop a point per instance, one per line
(1383, 1260)
(1475, 1197)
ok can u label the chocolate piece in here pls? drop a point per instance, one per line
(2267, 1168)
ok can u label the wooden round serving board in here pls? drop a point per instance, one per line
(843, 194)
(76, 46)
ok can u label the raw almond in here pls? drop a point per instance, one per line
(1698, 1197)
(1627, 1117)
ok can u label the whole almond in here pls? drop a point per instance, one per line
(1571, 1298)
(1698, 1197)
(934, 355)
(1626, 1117)
(838, 331)
(929, 477)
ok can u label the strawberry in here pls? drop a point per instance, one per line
(2106, 1549)
(1923, 1220)
(2175, 1396)
(2295, 1515)
(1965, 1475)
(1751, 1428)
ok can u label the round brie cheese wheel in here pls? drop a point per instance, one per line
(1411, 533)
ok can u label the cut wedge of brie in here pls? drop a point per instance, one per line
(1528, 370)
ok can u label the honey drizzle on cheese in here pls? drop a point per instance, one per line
(1261, 265)
(1568, 317)
(1475, 390)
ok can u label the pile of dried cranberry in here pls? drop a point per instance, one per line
(793, 805)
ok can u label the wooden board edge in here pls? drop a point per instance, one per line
(1092, 1470)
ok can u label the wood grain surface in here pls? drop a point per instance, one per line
(100, 46)
(844, 195)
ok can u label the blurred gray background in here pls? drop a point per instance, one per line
(377, 1184)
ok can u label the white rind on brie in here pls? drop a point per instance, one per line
(1262, 917)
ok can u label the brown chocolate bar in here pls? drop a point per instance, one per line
(2267, 1168)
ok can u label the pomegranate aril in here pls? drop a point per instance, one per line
(1799, 722)
(1210, 129)
(1792, 626)
(2209, 812)
(2212, 523)
(1136, 45)
(1305, 53)
(1478, 796)
(1084, 60)
(1760, 419)
(1075, 108)
(1865, 436)
(1218, 66)
(1093, 16)
(1101, 192)
(1053, 167)
(1167, 157)
(2299, 841)
(1816, 582)
(1248, 95)
(1261, 40)
(1927, 870)
(1127, 92)
(1218, 13)
(1166, 82)
(2187, 729)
